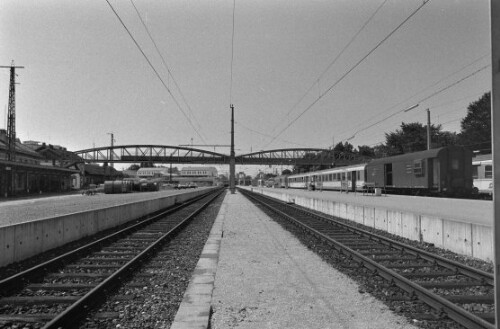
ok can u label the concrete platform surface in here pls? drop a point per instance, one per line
(464, 210)
(30, 209)
(267, 279)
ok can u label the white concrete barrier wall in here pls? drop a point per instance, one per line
(21, 241)
(463, 238)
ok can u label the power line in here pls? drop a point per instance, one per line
(455, 83)
(153, 68)
(337, 57)
(165, 63)
(422, 90)
(424, 99)
(266, 135)
(350, 70)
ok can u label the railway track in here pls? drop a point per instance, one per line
(454, 290)
(57, 293)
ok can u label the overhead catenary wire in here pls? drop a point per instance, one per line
(349, 71)
(316, 81)
(154, 69)
(165, 63)
(267, 135)
(423, 99)
(399, 104)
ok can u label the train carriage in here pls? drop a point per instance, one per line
(445, 171)
(350, 178)
(482, 174)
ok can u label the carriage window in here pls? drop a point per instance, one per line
(348, 175)
(358, 175)
(455, 164)
(418, 168)
(488, 172)
(475, 172)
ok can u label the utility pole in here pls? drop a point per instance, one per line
(232, 160)
(111, 151)
(495, 137)
(11, 117)
(428, 129)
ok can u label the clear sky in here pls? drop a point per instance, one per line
(84, 77)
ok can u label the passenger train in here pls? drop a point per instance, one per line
(482, 174)
(445, 171)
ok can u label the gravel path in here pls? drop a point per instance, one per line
(267, 279)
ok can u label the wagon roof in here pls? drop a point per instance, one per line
(432, 153)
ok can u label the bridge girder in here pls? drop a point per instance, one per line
(150, 153)
(179, 154)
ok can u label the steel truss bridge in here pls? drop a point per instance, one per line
(185, 155)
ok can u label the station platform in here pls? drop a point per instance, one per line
(464, 210)
(254, 274)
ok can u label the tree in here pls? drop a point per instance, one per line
(412, 137)
(134, 167)
(286, 172)
(476, 126)
(367, 151)
(346, 147)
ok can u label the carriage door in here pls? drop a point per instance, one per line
(436, 182)
(353, 181)
(388, 174)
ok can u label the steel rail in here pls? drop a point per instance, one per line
(67, 318)
(439, 260)
(438, 303)
(15, 281)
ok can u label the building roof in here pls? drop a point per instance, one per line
(20, 148)
(199, 168)
(51, 152)
(96, 170)
(482, 157)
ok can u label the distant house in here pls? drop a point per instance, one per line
(152, 172)
(199, 172)
(94, 174)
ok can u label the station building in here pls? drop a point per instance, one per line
(201, 176)
(30, 172)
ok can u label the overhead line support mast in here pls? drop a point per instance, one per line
(11, 117)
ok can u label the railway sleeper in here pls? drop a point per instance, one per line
(26, 318)
(428, 275)
(407, 266)
(59, 286)
(36, 300)
(450, 285)
(107, 259)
